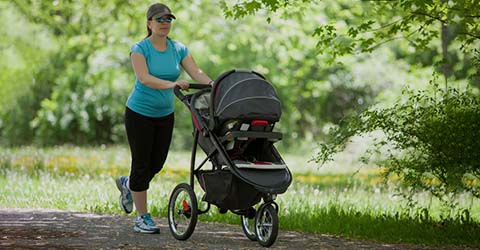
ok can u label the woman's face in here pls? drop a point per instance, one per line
(161, 25)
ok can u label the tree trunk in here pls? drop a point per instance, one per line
(446, 67)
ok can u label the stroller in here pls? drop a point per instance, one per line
(233, 123)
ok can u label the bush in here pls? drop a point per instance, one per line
(15, 117)
(84, 107)
(433, 139)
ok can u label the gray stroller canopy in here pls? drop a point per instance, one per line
(247, 95)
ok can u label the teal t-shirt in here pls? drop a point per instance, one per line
(161, 64)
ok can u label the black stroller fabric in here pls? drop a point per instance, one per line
(244, 95)
(225, 190)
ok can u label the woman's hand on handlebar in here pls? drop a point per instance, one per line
(184, 85)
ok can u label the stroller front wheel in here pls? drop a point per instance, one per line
(266, 225)
(182, 211)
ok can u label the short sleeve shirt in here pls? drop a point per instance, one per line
(161, 64)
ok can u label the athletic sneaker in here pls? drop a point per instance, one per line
(126, 201)
(145, 224)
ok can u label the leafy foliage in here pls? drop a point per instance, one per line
(432, 141)
(363, 26)
(75, 89)
(81, 85)
(21, 60)
(74, 99)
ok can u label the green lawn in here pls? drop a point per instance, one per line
(340, 201)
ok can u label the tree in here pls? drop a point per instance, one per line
(364, 26)
(75, 95)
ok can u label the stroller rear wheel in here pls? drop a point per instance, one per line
(182, 211)
(248, 226)
(266, 225)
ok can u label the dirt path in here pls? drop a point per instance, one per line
(51, 229)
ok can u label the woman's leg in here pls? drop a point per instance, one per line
(162, 137)
(161, 143)
(140, 133)
(140, 201)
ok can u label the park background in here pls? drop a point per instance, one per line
(351, 75)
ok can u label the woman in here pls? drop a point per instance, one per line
(149, 117)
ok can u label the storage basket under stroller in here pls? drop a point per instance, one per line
(227, 191)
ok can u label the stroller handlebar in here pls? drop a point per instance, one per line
(181, 96)
(186, 100)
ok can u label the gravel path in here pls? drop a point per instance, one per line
(52, 229)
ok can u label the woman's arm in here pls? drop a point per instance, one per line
(188, 63)
(141, 71)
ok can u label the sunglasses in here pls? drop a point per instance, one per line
(164, 20)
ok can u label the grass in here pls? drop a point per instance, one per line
(340, 202)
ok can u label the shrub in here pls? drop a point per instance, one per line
(433, 139)
(84, 108)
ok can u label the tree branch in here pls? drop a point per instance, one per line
(469, 34)
(464, 12)
(389, 24)
(429, 15)
(398, 37)
(386, 41)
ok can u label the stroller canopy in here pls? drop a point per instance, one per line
(247, 95)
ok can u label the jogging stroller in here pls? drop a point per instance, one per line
(233, 123)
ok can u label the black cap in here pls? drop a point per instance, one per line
(159, 10)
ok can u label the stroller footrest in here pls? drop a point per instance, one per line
(232, 135)
(259, 165)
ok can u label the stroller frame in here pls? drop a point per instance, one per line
(264, 227)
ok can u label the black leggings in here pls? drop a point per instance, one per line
(149, 140)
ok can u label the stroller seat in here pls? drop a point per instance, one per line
(241, 110)
(249, 144)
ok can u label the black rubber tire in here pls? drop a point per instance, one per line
(266, 225)
(249, 232)
(190, 214)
